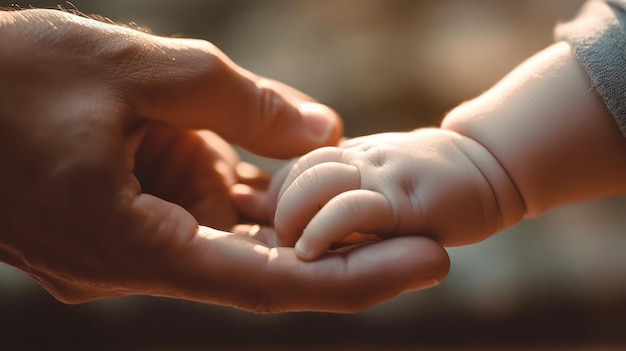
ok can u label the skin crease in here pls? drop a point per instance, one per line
(117, 175)
(538, 139)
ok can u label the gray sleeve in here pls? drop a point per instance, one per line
(598, 37)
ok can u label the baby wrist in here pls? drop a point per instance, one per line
(509, 203)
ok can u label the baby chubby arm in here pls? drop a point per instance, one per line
(549, 130)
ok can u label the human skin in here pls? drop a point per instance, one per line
(538, 139)
(117, 172)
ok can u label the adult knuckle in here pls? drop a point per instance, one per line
(266, 108)
(211, 59)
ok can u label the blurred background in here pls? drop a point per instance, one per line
(557, 282)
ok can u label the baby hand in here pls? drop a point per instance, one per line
(430, 182)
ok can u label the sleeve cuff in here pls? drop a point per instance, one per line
(598, 38)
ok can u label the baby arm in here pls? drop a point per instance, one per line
(538, 139)
(550, 131)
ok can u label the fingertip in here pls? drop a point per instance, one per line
(249, 201)
(322, 123)
(242, 192)
(252, 175)
(433, 255)
(412, 262)
(283, 235)
(425, 284)
(304, 252)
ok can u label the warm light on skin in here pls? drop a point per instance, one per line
(254, 230)
(210, 233)
(247, 170)
(241, 189)
(271, 253)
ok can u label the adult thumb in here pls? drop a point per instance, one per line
(192, 84)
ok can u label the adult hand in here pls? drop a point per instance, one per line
(108, 188)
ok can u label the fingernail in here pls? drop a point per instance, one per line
(432, 282)
(302, 251)
(429, 283)
(319, 120)
(425, 284)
